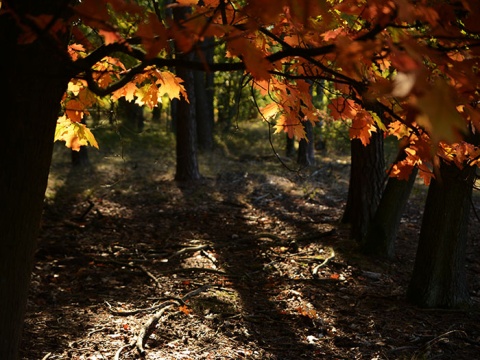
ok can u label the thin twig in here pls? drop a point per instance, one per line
(150, 275)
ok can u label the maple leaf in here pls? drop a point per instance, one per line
(75, 87)
(110, 37)
(75, 110)
(148, 95)
(128, 91)
(74, 50)
(439, 115)
(425, 173)
(398, 129)
(74, 134)
(254, 58)
(362, 127)
(341, 108)
(270, 111)
(292, 126)
(402, 169)
(153, 35)
(171, 85)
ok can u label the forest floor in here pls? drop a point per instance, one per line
(251, 262)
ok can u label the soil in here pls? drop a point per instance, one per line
(251, 262)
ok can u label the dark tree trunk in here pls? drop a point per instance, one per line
(367, 176)
(382, 231)
(173, 115)
(439, 276)
(306, 147)
(80, 158)
(186, 126)
(157, 113)
(31, 73)
(204, 99)
(289, 146)
(186, 131)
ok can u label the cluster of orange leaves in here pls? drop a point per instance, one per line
(411, 57)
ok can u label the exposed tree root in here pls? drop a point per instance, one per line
(147, 329)
(149, 326)
(317, 267)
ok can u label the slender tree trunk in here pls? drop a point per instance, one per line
(31, 74)
(289, 146)
(367, 175)
(306, 147)
(439, 276)
(186, 131)
(382, 230)
(157, 113)
(80, 158)
(186, 126)
(204, 99)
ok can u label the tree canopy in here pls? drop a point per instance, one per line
(409, 68)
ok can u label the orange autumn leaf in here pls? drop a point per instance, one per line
(153, 36)
(291, 125)
(255, 60)
(171, 85)
(187, 2)
(184, 309)
(75, 110)
(362, 127)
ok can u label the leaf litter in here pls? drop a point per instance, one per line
(243, 243)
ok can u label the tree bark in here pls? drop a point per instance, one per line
(382, 230)
(186, 126)
(439, 276)
(204, 98)
(289, 146)
(367, 176)
(80, 158)
(32, 75)
(306, 147)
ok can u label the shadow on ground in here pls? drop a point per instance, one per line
(280, 278)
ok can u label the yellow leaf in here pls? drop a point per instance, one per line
(74, 134)
(270, 111)
(171, 86)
